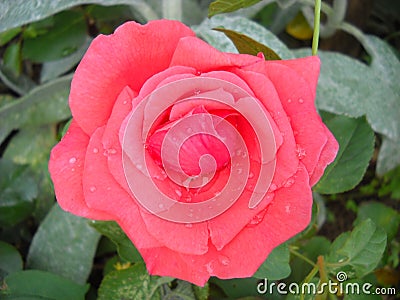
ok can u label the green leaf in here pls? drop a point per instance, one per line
(18, 189)
(201, 293)
(37, 285)
(354, 284)
(276, 266)
(14, 13)
(362, 249)
(312, 248)
(126, 249)
(236, 288)
(53, 69)
(245, 27)
(131, 283)
(356, 146)
(383, 216)
(65, 245)
(8, 35)
(388, 157)
(45, 104)
(66, 35)
(10, 260)
(247, 45)
(12, 59)
(21, 84)
(22, 149)
(349, 87)
(224, 6)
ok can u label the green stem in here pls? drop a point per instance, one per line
(301, 256)
(317, 15)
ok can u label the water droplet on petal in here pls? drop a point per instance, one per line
(197, 92)
(72, 160)
(179, 193)
(188, 225)
(301, 153)
(189, 130)
(251, 175)
(95, 150)
(289, 183)
(301, 101)
(224, 260)
(161, 206)
(273, 187)
(289, 100)
(198, 73)
(287, 208)
(73, 169)
(125, 102)
(239, 171)
(92, 189)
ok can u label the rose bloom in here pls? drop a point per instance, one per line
(205, 159)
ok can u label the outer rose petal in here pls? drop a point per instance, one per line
(205, 58)
(288, 214)
(104, 193)
(66, 167)
(126, 58)
(298, 101)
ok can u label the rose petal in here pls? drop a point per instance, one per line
(327, 156)
(104, 193)
(205, 58)
(265, 91)
(307, 68)
(126, 58)
(288, 214)
(298, 101)
(66, 166)
(183, 238)
(110, 139)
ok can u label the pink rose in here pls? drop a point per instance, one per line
(205, 159)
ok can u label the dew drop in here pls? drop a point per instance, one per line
(72, 160)
(198, 73)
(251, 175)
(95, 150)
(289, 183)
(161, 206)
(73, 169)
(301, 153)
(125, 102)
(197, 92)
(256, 219)
(238, 152)
(273, 187)
(112, 151)
(179, 193)
(92, 189)
(289, 100)
(189, 130)
(301, 101)
(188, 225)
(239, 171)
(224, 260)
